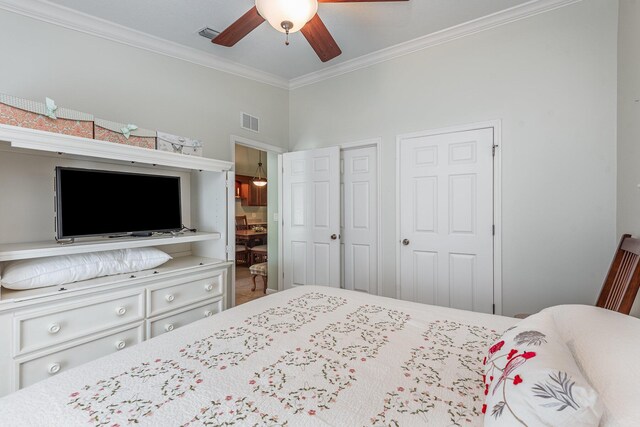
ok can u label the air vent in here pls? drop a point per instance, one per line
(208, 33)
(249, 122)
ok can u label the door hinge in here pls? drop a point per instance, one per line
(227, 248)
(493, 230)
(494, 309)
(493, 150)
(226, 183)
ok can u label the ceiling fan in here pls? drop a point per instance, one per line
(288, 16)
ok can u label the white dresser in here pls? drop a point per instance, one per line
(57, 330)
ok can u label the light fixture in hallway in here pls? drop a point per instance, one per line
(260, 177)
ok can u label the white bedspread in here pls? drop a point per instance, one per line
(308, 356)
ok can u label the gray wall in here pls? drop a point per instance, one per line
(551, 79)
(629, 121)
(125, 84)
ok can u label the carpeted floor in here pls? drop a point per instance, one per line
(244, 284)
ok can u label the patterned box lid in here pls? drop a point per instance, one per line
(178, 140)
(117, 128)
(41, 108)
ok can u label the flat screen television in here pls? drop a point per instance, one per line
(107, 203)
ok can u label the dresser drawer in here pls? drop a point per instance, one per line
(184, 291)
(172, 321)
(39, 368)
(35, 330)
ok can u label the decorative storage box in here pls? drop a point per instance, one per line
(36, 115)
(179, 144)
(124, 134)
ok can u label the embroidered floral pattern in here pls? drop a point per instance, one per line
(304, 381)
(317, 302)
(530, 338)
(228, 347)
(437, 373)
(503, 366)
(350, 340)
(232, 411)
(440, 375)
(280, 320)
(379, 318)
(558, 392)
(140, 391)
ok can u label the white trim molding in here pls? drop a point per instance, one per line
(47, 11)
(52, 13)
(253, 144)
(484, 23)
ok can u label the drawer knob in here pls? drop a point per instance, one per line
(54, 368)
(121, 311)
(168, 327)
(169, 298)
(54, 328)
(208, 313)
(120, 345)
(208, 287)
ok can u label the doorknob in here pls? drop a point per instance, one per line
(334, 237)
(406, 242)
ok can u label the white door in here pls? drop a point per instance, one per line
(311, 215)
(359, 222)
(446, 219)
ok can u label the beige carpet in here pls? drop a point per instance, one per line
(244, 284)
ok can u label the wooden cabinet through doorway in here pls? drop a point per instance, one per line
(249, 194)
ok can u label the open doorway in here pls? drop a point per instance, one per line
(256, 237)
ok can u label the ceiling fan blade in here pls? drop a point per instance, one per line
(320, 39)
(239, 29)
(355, 1)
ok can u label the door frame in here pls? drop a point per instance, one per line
(496, 125)
(231, 245)
(377, 143)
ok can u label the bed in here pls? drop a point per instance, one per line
(306, 356)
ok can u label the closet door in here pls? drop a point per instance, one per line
(359, 222)
(446, 219)
(311, 216)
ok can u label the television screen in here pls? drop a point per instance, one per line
(99, 203)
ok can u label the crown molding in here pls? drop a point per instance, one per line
(46, 11)
(72, 19)
(484, 23)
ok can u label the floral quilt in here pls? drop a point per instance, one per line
(310, 356)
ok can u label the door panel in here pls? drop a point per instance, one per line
(446, 217)
(360, 219)
(311, 215)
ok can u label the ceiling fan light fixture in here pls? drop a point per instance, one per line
(287, 16)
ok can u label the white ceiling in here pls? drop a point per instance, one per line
(359, 28)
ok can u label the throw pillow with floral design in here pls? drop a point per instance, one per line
(532, 379)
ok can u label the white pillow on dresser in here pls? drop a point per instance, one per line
(59, 270)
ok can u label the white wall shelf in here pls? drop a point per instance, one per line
(32, 139)
(16, 251)
(27, 162)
